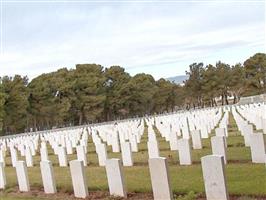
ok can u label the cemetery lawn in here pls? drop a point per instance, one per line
(244, 178)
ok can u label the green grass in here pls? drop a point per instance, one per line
(5, 197)
(243, 177)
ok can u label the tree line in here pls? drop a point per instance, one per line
(91, 93)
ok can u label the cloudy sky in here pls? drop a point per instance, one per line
(159, 38)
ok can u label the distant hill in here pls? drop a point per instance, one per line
(178, 79)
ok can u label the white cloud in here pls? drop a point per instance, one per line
(161, 40)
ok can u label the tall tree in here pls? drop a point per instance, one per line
(2, 103)
(138, 95)
(16, 103)
(41, 102)
(62, 97)
(255, 69)
(224, 75)
(179, 95)
(116, 78)
(210, 85)
(164, 98)
(237, 82)
(89, 92)
(194, 84)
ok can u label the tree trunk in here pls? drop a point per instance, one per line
(215, 103)
(80, 118)
(47, 124)
(226, 99)
(35, 123)
(235, 98)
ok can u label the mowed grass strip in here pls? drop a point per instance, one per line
(242, 179)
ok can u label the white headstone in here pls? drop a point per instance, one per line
(78, 177)
(62, 158)
(184, 152)
(218, 146)
(173, 141)
(69, 148)
(153, 149)
(48, 177)
(44, 154)
(2, 176)
(115, 143)
(22, 176)
(81, 155)
(214, 177)
(247, 131)
(14, 156)
(160, 179)
(134, 145)
(102, 154)
(126, 154)
(264, 125)
(29, 160)
(257, 146)
(196, 139)
(115, 177)
(2, 157)
(220, 132)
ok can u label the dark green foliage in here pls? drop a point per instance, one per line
(205, 84)
(89, 93)
(116, 79)
(2, 103)
(255, 71)
(15, 103)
